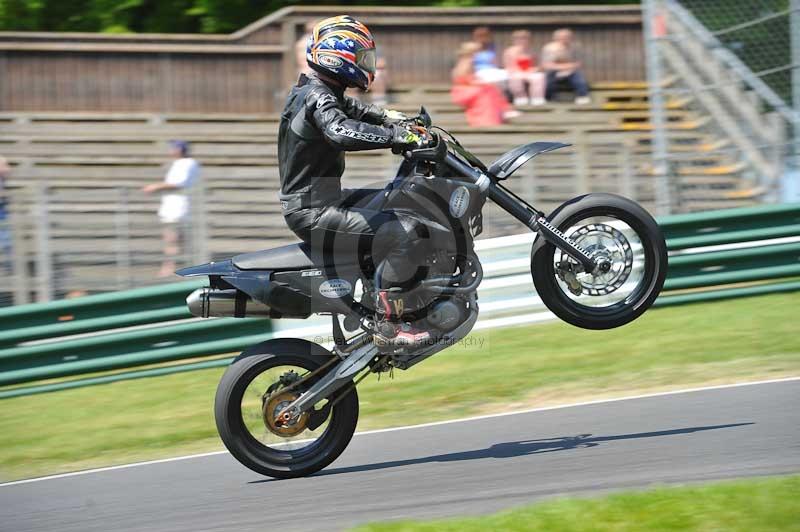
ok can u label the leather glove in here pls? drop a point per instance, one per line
(390, 116)
(404, 139)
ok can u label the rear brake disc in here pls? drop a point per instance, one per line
(285, 428)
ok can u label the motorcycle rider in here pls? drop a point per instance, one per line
(319, 124)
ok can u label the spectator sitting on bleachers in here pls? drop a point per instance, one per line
(484, 103)
(525, 80)
(484, 60)
(561, 61)
(5, 231)
(174, 211)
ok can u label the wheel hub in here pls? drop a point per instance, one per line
(612, 253)
(285, 425)
(604, 266)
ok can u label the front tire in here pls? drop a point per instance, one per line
(595, 217)
(278, 460)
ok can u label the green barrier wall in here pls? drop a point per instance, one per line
(81, 336)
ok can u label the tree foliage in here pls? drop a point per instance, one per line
(176, 16)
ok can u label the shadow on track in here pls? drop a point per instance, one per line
(525, 447)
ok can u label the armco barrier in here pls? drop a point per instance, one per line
(122, 330)
(731, 226)
(126, 348)
(153, 304)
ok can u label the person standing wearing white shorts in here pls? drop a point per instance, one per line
(174, 210)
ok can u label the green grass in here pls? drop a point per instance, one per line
(501, 370)
(741, 506)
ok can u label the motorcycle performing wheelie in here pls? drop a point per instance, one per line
(288, 407)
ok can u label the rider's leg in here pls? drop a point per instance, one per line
(399, 270)
(397, 274)
(390, 239)
(360, 197)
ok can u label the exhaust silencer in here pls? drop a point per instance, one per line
(211, 303)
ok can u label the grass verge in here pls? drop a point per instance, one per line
(499, 370)
(741, 506)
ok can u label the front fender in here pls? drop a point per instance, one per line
(509, 162)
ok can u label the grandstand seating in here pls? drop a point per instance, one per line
(103, 232)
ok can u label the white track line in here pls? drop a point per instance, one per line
(422, 425)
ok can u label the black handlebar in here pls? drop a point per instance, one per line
(435, 152)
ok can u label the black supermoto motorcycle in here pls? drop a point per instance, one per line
(288, 407)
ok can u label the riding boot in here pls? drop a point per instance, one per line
(392, 328)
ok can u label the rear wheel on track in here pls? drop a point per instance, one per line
(257, 386)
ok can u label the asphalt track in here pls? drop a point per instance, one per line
(464, 467)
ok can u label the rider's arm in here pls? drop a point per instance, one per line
(372, 114)
(340, 130)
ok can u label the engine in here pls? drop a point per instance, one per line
(446, 314)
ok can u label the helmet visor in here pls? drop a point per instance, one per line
(366, 59)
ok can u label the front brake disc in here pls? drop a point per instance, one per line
(609, 243)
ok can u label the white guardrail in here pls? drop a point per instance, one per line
(505, 297)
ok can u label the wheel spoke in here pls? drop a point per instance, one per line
(612, 240)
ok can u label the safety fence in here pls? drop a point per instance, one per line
(713, 255)
(738, 64)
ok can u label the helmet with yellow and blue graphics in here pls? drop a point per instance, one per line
(343, 48)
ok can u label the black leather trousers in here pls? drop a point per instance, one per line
(357, 224)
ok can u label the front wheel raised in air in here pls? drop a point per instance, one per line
(257, 386)
(620, 234)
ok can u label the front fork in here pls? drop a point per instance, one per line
(561, 241)
(522, 211)
(536, 221)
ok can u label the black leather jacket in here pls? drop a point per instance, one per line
(318, 124)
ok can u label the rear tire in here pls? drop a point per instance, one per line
(647, 230)
(280, 463)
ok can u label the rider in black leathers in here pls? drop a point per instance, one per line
(318, 124)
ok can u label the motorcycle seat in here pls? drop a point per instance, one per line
(298, 256)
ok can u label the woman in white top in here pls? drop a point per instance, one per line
(174, 208)
(526, 81)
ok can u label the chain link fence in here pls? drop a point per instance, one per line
(736, 66)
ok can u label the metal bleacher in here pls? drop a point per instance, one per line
(76, 177)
